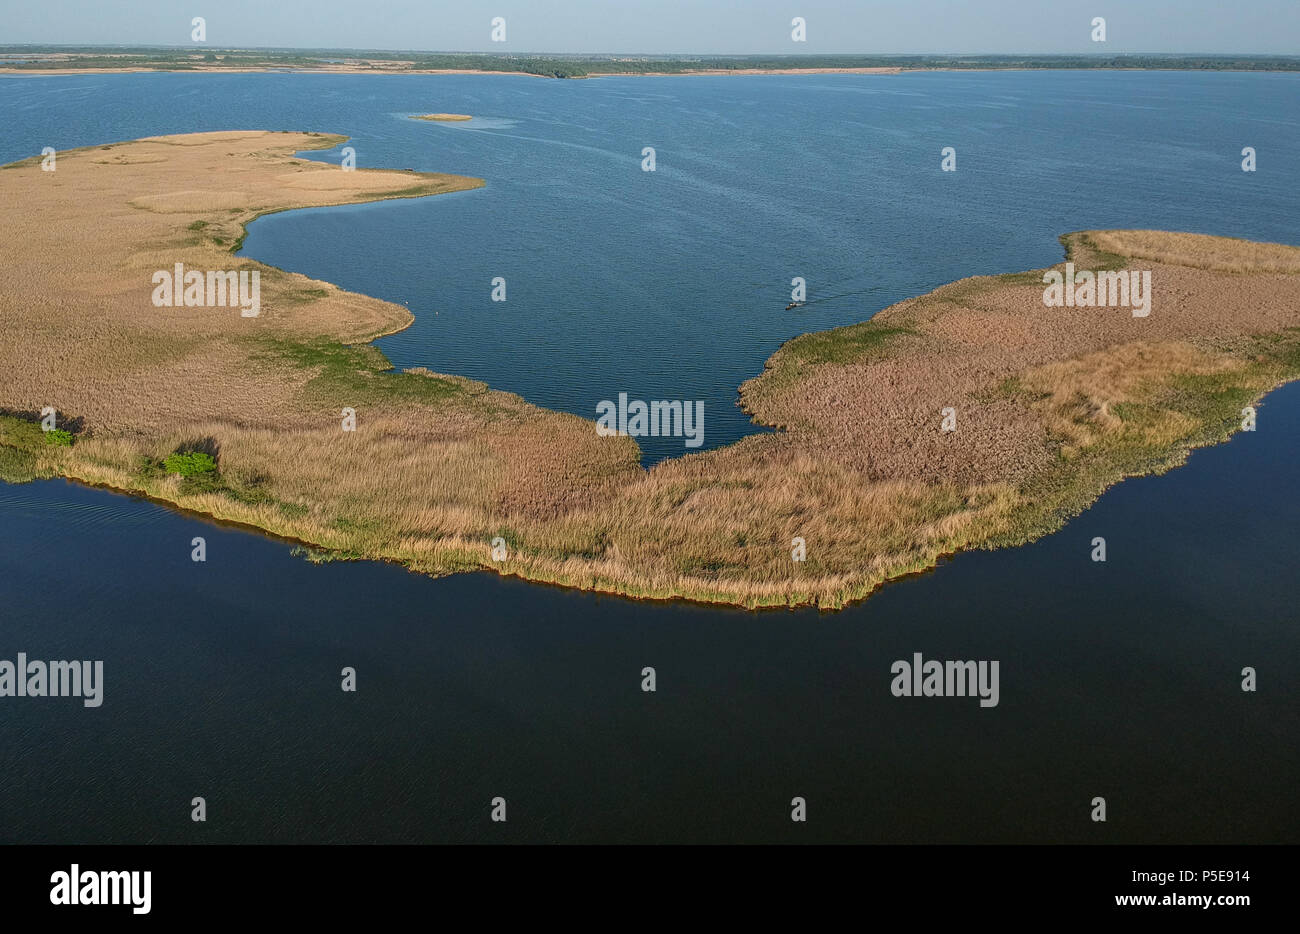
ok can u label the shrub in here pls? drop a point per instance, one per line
(59, 438)
(190, 464)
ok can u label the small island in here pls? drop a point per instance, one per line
(976, 416)
(445, 118)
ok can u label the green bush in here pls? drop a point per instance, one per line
(190, 464)
(59, 438)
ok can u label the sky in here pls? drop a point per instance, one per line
(671, 26)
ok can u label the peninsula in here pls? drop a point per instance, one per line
(975, 416)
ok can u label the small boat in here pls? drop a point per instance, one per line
(793, 305)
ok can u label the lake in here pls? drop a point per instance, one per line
(1119, 679)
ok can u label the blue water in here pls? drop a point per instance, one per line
(674, 284)
(1119, 679)
(222, 680)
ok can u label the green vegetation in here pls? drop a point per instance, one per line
(360, 373)
(24, 455)
(853, 343)
(1174, 415)
(850, 344)
(58, 438)
(1082, 250)
(190, 463)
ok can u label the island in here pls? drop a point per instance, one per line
(979, 415)
(443, 117)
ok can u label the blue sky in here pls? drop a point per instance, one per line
(666, 26)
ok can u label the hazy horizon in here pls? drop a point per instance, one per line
(674, 27)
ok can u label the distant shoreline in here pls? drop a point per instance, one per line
(270, 70)
(298, 70)
(709, 72)
(48, 60)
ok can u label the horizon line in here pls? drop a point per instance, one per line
(534, 52)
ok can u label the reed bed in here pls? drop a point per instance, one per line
(1051, 405)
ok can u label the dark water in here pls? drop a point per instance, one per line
(1119, 679)
(222, 680)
